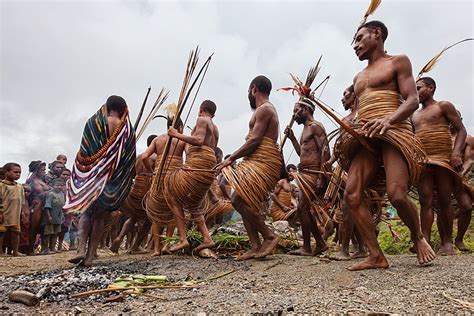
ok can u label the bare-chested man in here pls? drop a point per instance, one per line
(282, 208)
(346, 229)
(313, 152)
(187, 188)
(258, 173)
(102, 174)
(463, 191)
(386, 94)
(132, 207)
(157, 208)
(431, 124)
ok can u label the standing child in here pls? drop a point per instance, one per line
(53, 217)
(12, 199)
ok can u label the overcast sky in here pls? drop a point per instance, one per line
(60, 60)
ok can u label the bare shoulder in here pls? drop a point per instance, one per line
(401, 62)
(446, 105)
(317, 128)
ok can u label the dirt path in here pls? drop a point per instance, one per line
(280, 284)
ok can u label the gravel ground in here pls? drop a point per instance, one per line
(280, 284)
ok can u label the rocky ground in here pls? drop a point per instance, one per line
(279, 284)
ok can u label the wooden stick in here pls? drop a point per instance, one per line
(82, 294)
(139, 117)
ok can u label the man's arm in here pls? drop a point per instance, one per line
(407, 87)
(275, 198)
(468, 155)
(454, 118)
(222, 185)
(262, 117)
(145, 157)
(294, 141)
(321, 140)
(198, 136)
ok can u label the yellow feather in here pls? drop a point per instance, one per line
(374, 4)
(171, 110)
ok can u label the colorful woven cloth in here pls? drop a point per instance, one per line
(104, 167)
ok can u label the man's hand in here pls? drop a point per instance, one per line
(289, 132)
(376, 126)
(223, 164)
(172, 132)
(456, 161)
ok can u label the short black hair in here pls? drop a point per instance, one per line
(66, 169)
(428, 81)
(209, 107)
(35, 165)
(262, 83)
(374, 25)
(150, 139)
(350, 88)
(218, 152)
(117, 104)
(290, 166)
(10, 165)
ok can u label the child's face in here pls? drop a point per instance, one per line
(13, 174)
(65, 175)
(58, 187)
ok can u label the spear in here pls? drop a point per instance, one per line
(184, 95)
(344, 125)
(141, 110)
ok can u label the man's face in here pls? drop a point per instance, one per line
(424, 91)
(300, 113)
(252, 99)
(348, 99)
(58, 168)
(13, 174)
(62, 159)
(365, 42)
(41, 171)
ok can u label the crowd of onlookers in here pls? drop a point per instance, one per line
(31, 214)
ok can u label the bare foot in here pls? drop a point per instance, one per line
(319, 249)
(136, 251)
(77, 259)
(115, 247)
(360, 254)
(18, 254)
(156, 254)
(204, 245)
(379, 262)
(181, 245)
(300, 252)
(267, 247)
(461, 246)
(247, 255)
(424, 252)
(341, 256)
(446, 250)
(166, 250)
(87, 261)
(2, 254)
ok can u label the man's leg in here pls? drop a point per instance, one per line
(126, 228)
(305, 220)
(362, 171)
(142, 233)
(240, 206)
(397, 176)
(425, 188)
(464, 200)
(53, 241)
(85, 226)
(95, 235)
(444, 187)
(200, 221)
(15, 237)
(181, 225)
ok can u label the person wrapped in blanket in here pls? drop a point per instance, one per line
(102, 173)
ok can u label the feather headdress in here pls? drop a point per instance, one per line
(374, 4)
(304, 89)
(431, 63)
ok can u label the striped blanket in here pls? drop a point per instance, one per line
(104, 167)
